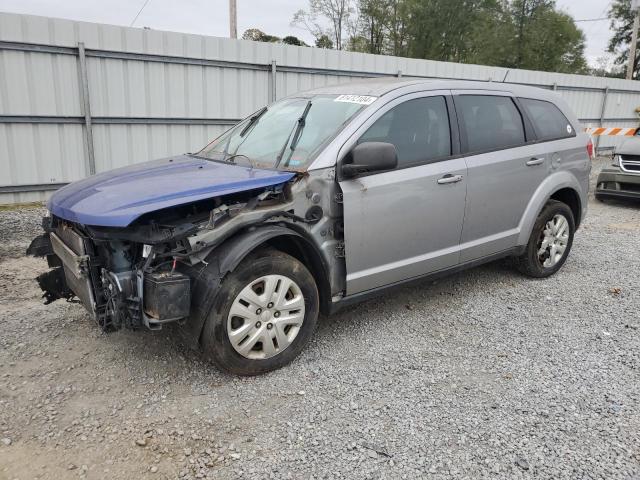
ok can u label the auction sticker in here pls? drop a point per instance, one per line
(361, 99)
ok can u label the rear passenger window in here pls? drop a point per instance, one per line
(418, 128)
(490, 122)
(547, 119)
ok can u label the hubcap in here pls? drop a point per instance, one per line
(265, 317)
(553, 241)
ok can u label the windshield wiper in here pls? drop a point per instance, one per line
(225, 155)
(296, 134)
(252, 120)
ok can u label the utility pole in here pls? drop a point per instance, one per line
(233, 19)
(635, 8)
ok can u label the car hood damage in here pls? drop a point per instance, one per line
(130, 244)
(118, 197)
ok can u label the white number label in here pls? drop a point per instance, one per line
(361, 99)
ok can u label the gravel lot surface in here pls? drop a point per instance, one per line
(485, 374)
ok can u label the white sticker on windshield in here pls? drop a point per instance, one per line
(361, 99)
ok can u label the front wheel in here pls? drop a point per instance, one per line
(265, 313)
(550, 241)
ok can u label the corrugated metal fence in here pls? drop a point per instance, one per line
(78, 98)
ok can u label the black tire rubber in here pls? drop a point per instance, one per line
(528, 263)
(215, 341)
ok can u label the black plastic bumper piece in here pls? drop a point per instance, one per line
(54, 286)
(167, 296)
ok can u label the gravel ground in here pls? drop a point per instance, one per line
(485, 374)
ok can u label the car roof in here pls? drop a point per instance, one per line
(389, 87)
(380, 86)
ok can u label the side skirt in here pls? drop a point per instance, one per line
(362, 296)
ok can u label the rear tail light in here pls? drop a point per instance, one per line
(590, 148)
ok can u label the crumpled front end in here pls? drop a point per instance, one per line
(121, 283)
(135, 276)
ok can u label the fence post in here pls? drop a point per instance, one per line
(603, 109)
(272, 77)
(86, 108)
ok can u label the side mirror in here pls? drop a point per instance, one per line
(370, 157)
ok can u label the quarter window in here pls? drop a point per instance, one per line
(547, 119)
(490, 122)
(418, 128)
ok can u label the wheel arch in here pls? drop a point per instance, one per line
(571, 198)
(561, 186)
(286, 240)
(226, 257)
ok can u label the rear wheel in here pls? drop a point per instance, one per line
(265, 313)
(550, 241)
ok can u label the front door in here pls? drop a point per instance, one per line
(407, 222)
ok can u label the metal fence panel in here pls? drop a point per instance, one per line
(153, 93)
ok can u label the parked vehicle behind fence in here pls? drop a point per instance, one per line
(316, 201)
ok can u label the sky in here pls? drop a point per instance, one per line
(211, 17)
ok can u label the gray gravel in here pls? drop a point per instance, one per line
(485, 374)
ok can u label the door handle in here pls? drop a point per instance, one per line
(535, 161)
(448, 178)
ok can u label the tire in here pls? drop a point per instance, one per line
(531, 263)
(256, 322)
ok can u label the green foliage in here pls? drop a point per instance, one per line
(622, 26)
(323, 41)
(291, 40)
(530, 34)
(545, 39)
(258, 35)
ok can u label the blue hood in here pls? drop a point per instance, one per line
(118, 197)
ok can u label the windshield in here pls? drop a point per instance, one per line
(287, 133)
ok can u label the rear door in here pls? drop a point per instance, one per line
(504, 166)
(406, 222)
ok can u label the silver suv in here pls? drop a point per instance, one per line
(317, 201)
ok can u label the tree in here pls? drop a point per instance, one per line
(546, 38)
(531, 34)
(605, 67)
(447, 30)
(621, 24)
(258, 35)
(324, 42)
(291, 40)
(379, 26)
(336, 12)
(397, 23)
(372, 24)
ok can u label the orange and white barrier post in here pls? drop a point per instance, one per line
(612, 131)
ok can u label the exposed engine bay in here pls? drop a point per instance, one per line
(145, 274)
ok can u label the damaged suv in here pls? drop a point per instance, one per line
(317, 201)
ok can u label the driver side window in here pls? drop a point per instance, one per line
(418, 128)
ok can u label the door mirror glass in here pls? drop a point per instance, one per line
(370, 157)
